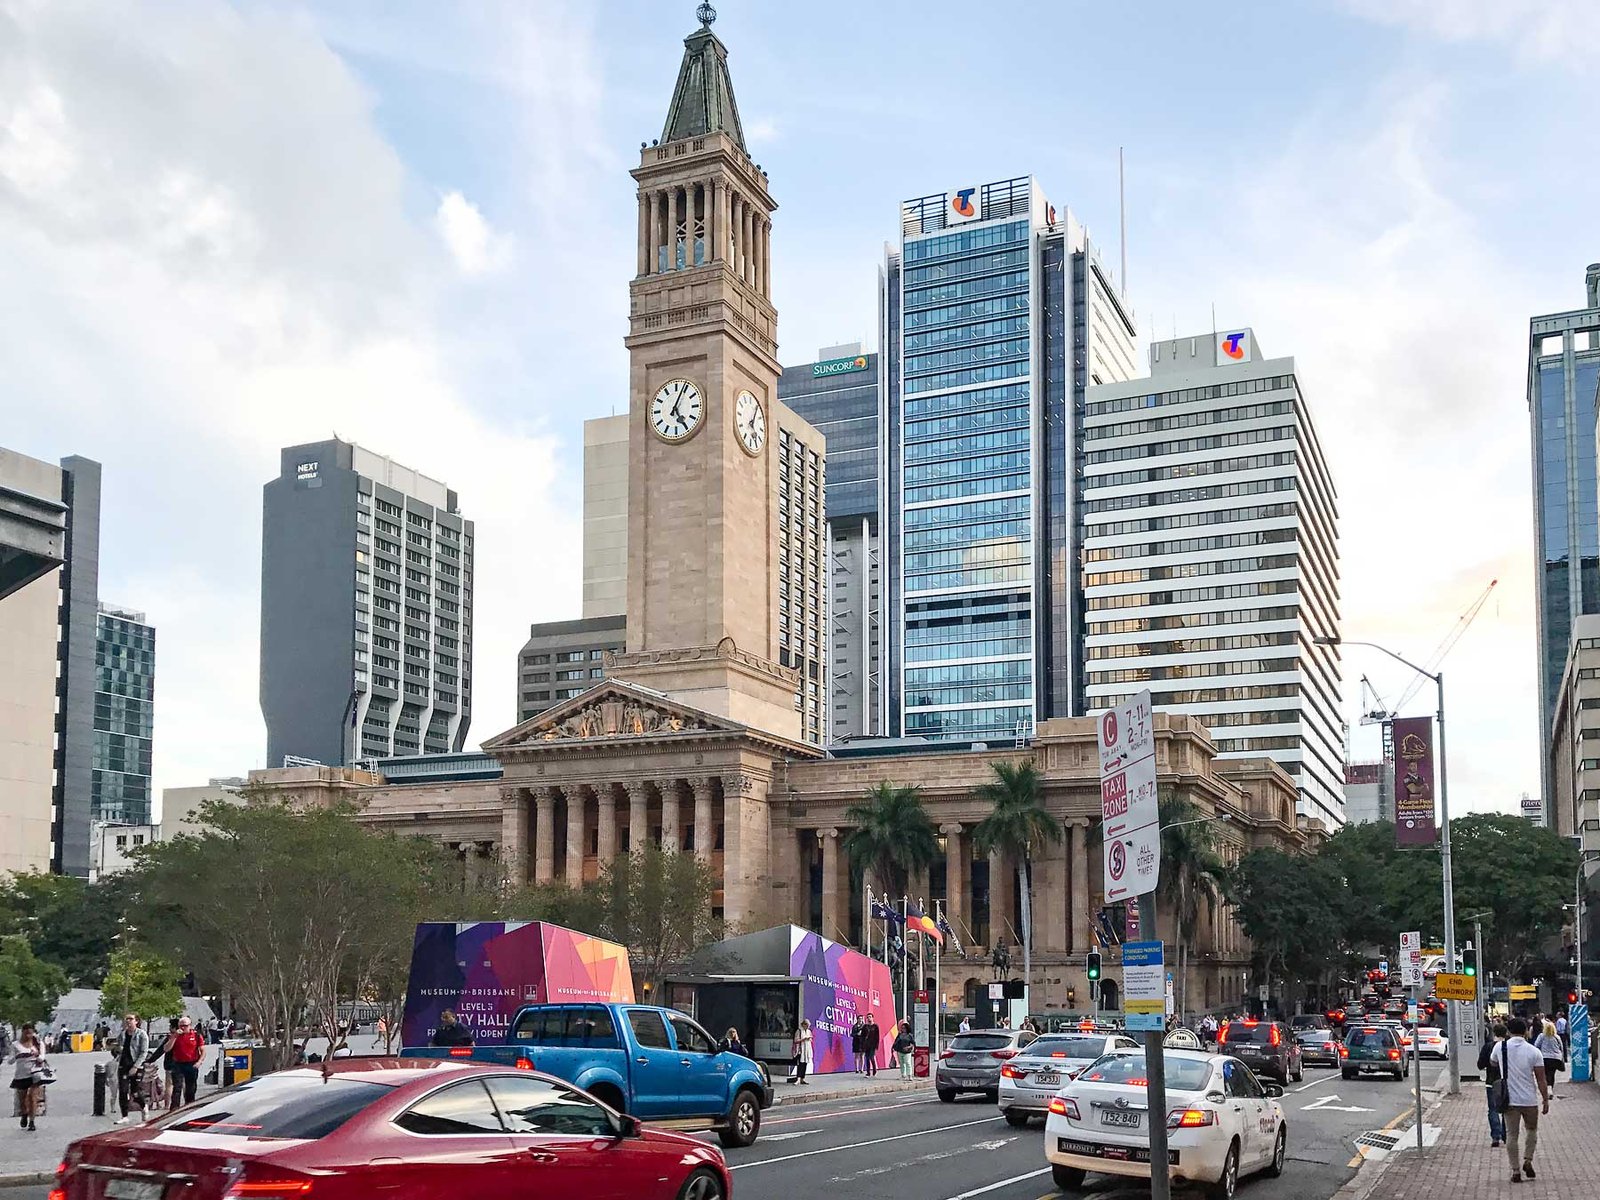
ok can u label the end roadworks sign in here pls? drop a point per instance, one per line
(1455, 987)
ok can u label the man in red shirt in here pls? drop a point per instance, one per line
(187, 1048)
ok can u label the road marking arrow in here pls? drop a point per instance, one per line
(1326, 1104)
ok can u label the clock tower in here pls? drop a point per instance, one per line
(704, 512)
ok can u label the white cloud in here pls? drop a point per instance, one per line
(1535, 29)
(761, 131)
(476, 248)
(195, 284)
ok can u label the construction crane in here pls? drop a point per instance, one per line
(1449, 643)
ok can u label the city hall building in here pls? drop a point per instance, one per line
(703, 734)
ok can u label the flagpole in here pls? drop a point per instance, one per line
(937, 1007)
(905, 961)
(866, 922)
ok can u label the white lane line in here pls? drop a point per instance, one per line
(994, 1187)
(899, 1137)
(791, 1135)
(846, 1112)
(1315, 1083)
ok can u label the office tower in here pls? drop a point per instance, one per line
(49, 578)
(1563, 374)
(1366, 792)
(124, 717)
(1211, 556)
(562, 658)
(605, 516)
(996, 315)
(1572, 803)
(838, 394)
(366, 609)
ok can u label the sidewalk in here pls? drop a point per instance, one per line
(847, 1083)
(1461, 1166)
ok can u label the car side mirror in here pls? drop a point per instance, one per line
(1272, 1090)
(627, 1126)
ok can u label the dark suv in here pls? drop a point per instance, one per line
(1266, 1047)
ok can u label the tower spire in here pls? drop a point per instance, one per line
(703, 100)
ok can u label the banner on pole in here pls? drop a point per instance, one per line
(1413, 782)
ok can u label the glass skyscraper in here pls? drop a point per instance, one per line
(996, 315)
(1563, 375)
(124, 717)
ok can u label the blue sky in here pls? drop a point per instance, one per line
(230, 228)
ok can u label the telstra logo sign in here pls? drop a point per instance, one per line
(1233, 347)
(964, 205)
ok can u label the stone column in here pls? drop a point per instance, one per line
(644, 233)
(577, 837)
(831, 914)
(714, 221)
(638, 814)
(654, 249)
(671, 801)
(746, 849)
(751, 252)
(606, 814)
(705, 832)
(514, 835)
(1078, 910)
(955, 891)
(544, 835)
(764, 257)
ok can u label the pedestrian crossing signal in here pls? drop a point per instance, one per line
(1094, 965)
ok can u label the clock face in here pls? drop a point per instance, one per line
(750, 421)
(676, 411)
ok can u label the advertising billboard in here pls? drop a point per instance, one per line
(1413, 782)
(485, 970)
(840, 983)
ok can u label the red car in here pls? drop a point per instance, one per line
(401, 1129)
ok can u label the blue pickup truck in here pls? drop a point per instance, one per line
(653, 1063)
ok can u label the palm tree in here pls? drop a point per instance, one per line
(1018, 824)
(892, 835)
(1191, 873)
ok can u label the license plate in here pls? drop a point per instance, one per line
(1046, 1079)
(1127, 1120)
(133, 1189)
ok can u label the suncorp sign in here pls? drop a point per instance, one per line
(839, 366)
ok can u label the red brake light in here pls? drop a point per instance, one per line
(460, 1051)
(1250, 1022)
(57, 1194)
(1002, 1054)
(1058, 1054)
(1064, 1106)
(1138, 1083)
(1395, 1054)
(947, 1054)
(524, 1064)
(1344, 1051)
(1190, 1118)
(1273, 1033)
(278, 1186)
(1329, 1045)
(1010, 1072)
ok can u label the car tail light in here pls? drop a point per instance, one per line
(1222, 1036)
(947, 1054)
(1190, 1118)
(268, 1183)
(1344, 1051)
(1395, 1055)
(1058, 1054)
(524, 1064)
(1010, 1072)
(1002, 1054)
(1065, 1106)
(1330, 1045)
(1274, 1035)
(1138, 1083)
(460, 1051)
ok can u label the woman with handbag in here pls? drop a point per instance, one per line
(1550, 1045)
(29, 1076)
(801, 1045)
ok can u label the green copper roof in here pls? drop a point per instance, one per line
(703, 101)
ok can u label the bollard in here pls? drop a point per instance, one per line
(102, 1077)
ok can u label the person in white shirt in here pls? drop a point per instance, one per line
(966, 1025)
(1527, 1095)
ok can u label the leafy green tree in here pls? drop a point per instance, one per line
(892, 836)
(1017, 824)
(1288, 907)
(140, 982)
(29, 987)
(1191, 874)
(68, 921)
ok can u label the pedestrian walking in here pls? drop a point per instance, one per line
(1489, 1066)
(1564, 1033)
(904, 1046)
(29, 1075)
(184, 1049)
(858, 1032)
(965, 1026)
(131, 1052)
(731, 1043)
(450, 1032)
(1550, 1045)
(800, 1047)
(1525, 1094)
(871, 1038)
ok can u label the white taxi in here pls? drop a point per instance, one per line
(1221, 1122)
(1029, 1081)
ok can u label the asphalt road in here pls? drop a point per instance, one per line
(912, 1147)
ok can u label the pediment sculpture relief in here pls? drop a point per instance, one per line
(615, 716)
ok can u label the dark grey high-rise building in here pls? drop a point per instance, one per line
(124, 717)
(839, 395)
(366, 609)
(1563, 376)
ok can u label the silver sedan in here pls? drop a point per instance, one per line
(1028, 1081)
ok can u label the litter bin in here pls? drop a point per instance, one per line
(83, 1043)
(236, 1065)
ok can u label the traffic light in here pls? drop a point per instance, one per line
(1469, 961)
(1572, 997)
(1094, 965)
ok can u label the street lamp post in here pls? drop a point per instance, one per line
(1444, 843)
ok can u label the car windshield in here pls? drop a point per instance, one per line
(1370, 1036)
(980, 1041)
(1240, 1034)
(1316, 1036)
(1066, 1047)
(292, 1104)
(1183, 1074)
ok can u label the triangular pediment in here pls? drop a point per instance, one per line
(610, 710)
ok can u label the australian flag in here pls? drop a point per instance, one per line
(884, 912)
(944, 928)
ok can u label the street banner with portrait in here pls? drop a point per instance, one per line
(1413, 782)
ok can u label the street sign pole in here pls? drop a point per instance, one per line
(1416, 1056)
(1156, 1073)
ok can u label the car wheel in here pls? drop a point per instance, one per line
(744, 1122)
(947, 1094)
(1279, 1152)
(1068, 1179)
(1300, 1073)
(703, 1184)
(1228, 1181)
(1016, 1118)
(1346, 1075)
